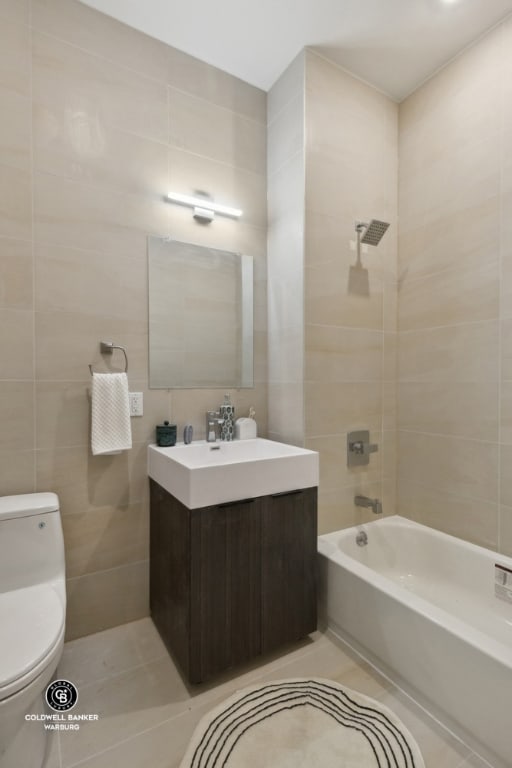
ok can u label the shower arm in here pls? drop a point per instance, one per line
(360, 226)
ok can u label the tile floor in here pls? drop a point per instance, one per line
(147, 713)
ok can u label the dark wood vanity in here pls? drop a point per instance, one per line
(232, 581)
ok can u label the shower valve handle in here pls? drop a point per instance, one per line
(359, 448)
(363, 448)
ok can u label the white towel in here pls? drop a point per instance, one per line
(111, 430)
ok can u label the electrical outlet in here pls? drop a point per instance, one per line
(136, 403)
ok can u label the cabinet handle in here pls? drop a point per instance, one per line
(286, 493)
(233, 503)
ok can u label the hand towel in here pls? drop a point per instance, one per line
(111, 430)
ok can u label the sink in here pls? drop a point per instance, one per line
(202, 474)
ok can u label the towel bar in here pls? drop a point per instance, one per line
(107, 348)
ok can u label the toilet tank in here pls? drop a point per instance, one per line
(31, 541)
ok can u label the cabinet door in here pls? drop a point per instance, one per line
(169, 571)
(288, 567)
(225, 587)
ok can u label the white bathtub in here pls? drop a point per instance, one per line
(422, 605)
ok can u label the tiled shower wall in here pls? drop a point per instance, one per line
(97, 122)
(455, 297)
(332, 149)
(350, 311)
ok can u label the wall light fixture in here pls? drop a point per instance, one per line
(204, 208)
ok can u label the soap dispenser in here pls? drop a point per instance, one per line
(227, 415)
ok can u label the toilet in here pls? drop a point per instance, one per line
(32, 621)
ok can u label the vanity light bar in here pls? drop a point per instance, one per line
(204, 204)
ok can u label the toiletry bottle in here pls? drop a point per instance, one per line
(246, 427)
(188, 433)
(227, 414)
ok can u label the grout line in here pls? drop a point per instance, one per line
(59, 748)
(452, 382)
(445, 435)
(361, 329)
(122, 672)
(16, 239)
(127, 740)
(282, 167)
(239, 168)
(209, 102)
(407, 280)
(300, 93)
(107, 570)
(34, 286)
(101, 57)
(463, 324)
(16, 380)
(382, 393)
(500, 296)
(449, 494)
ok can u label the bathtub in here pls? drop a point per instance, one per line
(421, 605)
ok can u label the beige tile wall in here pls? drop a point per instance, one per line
(455, 268)
(285, 254)
(98, 122)
(350, 315)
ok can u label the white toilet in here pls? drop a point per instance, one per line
(32, 620)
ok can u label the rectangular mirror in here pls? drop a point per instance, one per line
(200, 316)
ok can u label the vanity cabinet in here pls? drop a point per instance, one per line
(232, 581)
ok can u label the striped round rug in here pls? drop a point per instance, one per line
(301, 723)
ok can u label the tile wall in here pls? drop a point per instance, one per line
(455, 289)
(285, 254)
(350, 311)
(98, 122)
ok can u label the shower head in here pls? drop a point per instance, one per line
(374, 231)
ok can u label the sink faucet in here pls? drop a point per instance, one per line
(364, 501)
(212, 422)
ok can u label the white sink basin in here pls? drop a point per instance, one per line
(202, 474)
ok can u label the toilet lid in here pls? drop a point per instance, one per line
(31, 621)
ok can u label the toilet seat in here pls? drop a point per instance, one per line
(32, 622)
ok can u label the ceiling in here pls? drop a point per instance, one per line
(393, 44)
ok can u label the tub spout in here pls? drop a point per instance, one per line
(364, 501)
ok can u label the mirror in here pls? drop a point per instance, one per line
(200, 316)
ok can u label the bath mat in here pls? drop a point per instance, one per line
(301, 723)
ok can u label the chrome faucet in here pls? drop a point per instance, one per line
(212, 422)
(364, 501)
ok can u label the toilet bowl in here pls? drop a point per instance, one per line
(32, 621)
